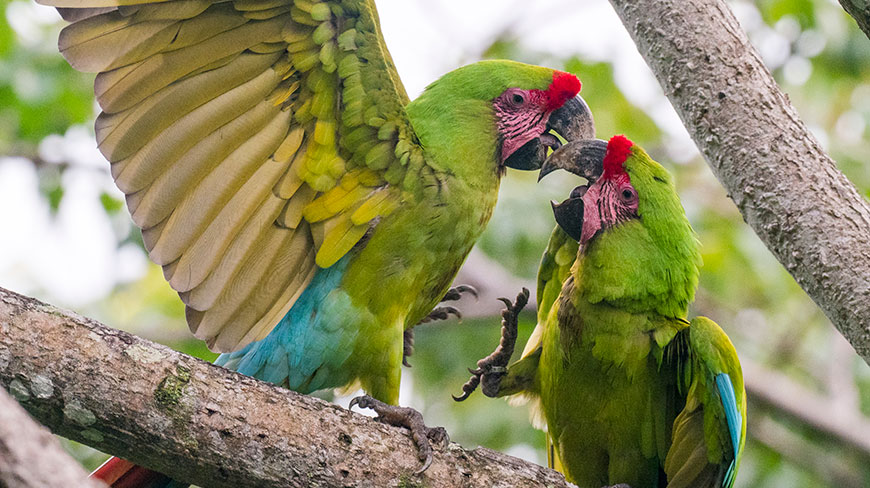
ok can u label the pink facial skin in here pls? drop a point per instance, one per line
(522, 115)
(608, 202)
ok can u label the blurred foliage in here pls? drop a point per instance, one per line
(39, 93)
(818, 56)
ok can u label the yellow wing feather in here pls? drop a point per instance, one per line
(251, 142)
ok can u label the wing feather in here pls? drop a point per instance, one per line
(709, 433)
(124, 133)
(166, 191)
(253, 145)
(554, 269)
(200, 255)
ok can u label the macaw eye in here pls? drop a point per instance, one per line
(628, 195)
(518, 99)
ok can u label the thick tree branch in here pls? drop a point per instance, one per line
(30, 457)
(207, 425)
(791, 193)
(787, 397)
(860, 11)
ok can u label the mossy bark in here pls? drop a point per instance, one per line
(206, 425)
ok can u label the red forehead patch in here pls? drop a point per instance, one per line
(564, 87)
(618, 150)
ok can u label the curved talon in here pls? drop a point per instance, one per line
(467, 289)
(456, 292)
(441, 313)
(468, 388)
(360, 401)
(426, 463)
(450, 310)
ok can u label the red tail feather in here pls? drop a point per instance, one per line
(119, 473)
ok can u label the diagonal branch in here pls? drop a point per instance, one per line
(860, 11)
(788, 190)
(207, 425)
(30, 457)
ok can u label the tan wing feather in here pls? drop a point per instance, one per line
(243, 289)
(224, 123)
(203, 252)
(122, 134)
(204, 295)
(274, 278)
(167, 190)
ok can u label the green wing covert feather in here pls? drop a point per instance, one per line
(521, 381)
(702, 452)
(251, 141)
(554, 269)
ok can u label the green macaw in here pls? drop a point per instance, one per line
(306, 211)
(630, 390)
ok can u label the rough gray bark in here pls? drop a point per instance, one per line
(208, 425)
(791, 193)
(30, 457)
(860, 11)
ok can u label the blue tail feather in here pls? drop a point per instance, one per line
(733, 418)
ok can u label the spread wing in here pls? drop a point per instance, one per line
(709, 433)
(255, 140)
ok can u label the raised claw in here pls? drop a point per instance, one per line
(441, 313)
(491, 369)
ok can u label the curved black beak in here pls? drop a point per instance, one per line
(573, 121)
(584, 158)
(569, 214)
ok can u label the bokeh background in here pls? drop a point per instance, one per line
(66, 237)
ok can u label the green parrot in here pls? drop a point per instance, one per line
(630, 390)
(307, 213)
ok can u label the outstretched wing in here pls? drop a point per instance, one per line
(709, 433)
(255, 140)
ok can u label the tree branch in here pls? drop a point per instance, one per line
(791, 193)
(30, 457)
(207, 425)
(860, 11)
(776, 390)
(492, 281)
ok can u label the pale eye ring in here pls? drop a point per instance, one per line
(628, 194)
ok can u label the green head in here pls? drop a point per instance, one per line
(637, 247)
(481, 118)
